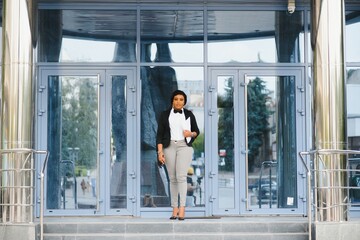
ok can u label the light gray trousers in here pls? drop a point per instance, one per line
(178, 157)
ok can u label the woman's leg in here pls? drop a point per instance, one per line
(183, 162)
(170, 157)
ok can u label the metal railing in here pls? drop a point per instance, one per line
(316, 186)
(42, 176)
(17, 186)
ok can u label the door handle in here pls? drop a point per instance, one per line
(133, 175)
(212, 112)
(133, 112)
(212, 174)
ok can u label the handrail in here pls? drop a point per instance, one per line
(308, 174)
(32, 151)
(308, 171)
(42, 176)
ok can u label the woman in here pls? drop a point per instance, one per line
(177, 130)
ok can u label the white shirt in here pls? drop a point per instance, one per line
(177, 123)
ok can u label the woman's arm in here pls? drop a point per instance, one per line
(159, 139)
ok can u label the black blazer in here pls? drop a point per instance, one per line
(163, 132)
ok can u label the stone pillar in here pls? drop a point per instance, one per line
(17, 111)
(329, 109)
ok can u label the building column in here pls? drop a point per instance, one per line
(329, 106)
(17, 110)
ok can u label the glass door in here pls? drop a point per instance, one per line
(225, 165)
(257, 120)
(84, 117)
(120, 128)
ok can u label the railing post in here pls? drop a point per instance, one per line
(42, 195)
(329, 188)
(17, 186)
(308, 187)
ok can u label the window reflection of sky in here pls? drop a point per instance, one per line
(183, 52)
(352, 42)
(75, 50)
(243, 51)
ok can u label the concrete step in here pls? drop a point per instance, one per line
(195, 229)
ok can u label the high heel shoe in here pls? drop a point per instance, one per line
(173, 218)
(181, 215)
(175, 214)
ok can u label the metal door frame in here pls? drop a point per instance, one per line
(104, 75)
(240, 164)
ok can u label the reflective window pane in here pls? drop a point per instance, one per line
(225, 107)
(118, 179)
(172, 36)
(352, 36)
(310, 52)
(87, 36)
(72, 142)
(158, 84)
(271, 136)
(353, 131)
(272, 36)
(78, 50)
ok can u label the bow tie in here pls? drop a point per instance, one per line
(177, 111)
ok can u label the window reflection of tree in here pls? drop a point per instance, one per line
(257, 117)
(226, 124)
(257, 120)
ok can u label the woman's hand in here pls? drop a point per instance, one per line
(188, 133)
(161, 157)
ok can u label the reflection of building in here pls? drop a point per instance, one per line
(353, 98)
(195, 92)
(127, 59)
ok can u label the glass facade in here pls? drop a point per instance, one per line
(172, 36)
(87, 36)
(352, 36)
(271, 138)
(353, 112)
(72, 141)
(353, 121)
(275, 37)
(175, 48)
(157, 86)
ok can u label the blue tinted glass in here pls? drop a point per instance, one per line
(352, 37)
(87, 36)
(172, 36)
(353, 130)
(272, 36)
(157, 86)
(72, 140)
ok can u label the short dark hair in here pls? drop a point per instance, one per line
(178, 92)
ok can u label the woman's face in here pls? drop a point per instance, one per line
(178, 102)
